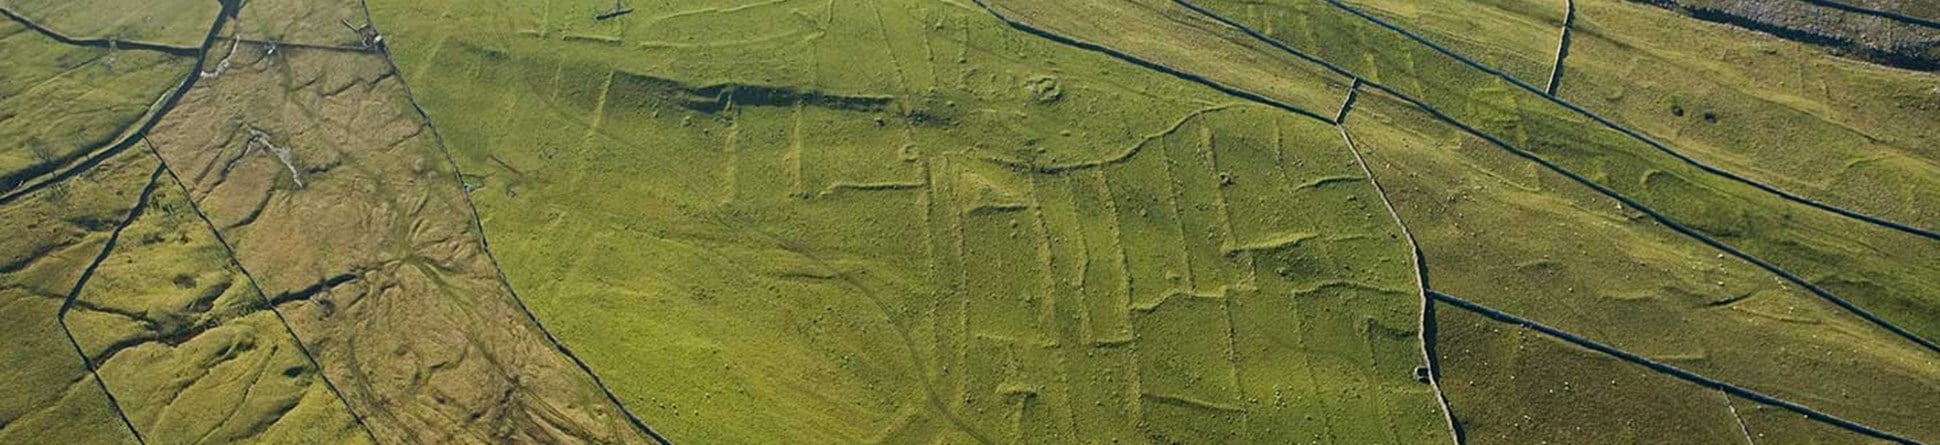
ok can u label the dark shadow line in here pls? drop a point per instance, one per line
(479, 226)
(1562, 48)
(1427, 329)
(1660, 146)
(1890, 15)
(230, 252)
(1665, 220)
(60, 316)
(1662, 368)
(106, 43)
(314, 46)
(154, 116)
(1660, 218)
(1155, 66)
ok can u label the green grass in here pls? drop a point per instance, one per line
(51, 396)
(188, 346)
(1765, 422)
(1514, 385)
(167, 22)
(1509, 384)
(315, 167)
(877, 224)
(1174, 36)
(60, 102)
(1781, 112)
(907, 221)
(1517, 36)
(1607, 273)
(1849, 133)
(1878, 269)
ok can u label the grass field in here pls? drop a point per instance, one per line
(912, 223)
(59, 102)
(959, 221)
(189, 347)
(1878, 269)
(50, 394)
(1605, 272)
(180, 23)
(404, 312)
(1543, 389)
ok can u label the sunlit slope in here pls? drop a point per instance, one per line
(1787, 113)
(1530, 240)
(908, 222)
(1510, 384)
(1518, 36)
(60, 102)
(1503, 232)
(1514, 385)
(1851, 133)
(187, 345)
(50, 395)
(1173, 36)
(1881, 270)
(176, 23)
(313, 165)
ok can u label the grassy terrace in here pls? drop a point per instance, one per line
(908, 222)
(1776, 111)
(957, 221)
(1607, 273)
(1881, 270)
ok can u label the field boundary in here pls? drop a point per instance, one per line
(60, 316)
(229, 251)
(1562, 48)
(1155, 66)
(154, 116)
(98, 42)
(485, 244)
(1666, 369)
(1634, 134)
(1419, 264)
(1667, 221)
(1653, 214)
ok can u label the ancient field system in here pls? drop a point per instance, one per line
(970, 221)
